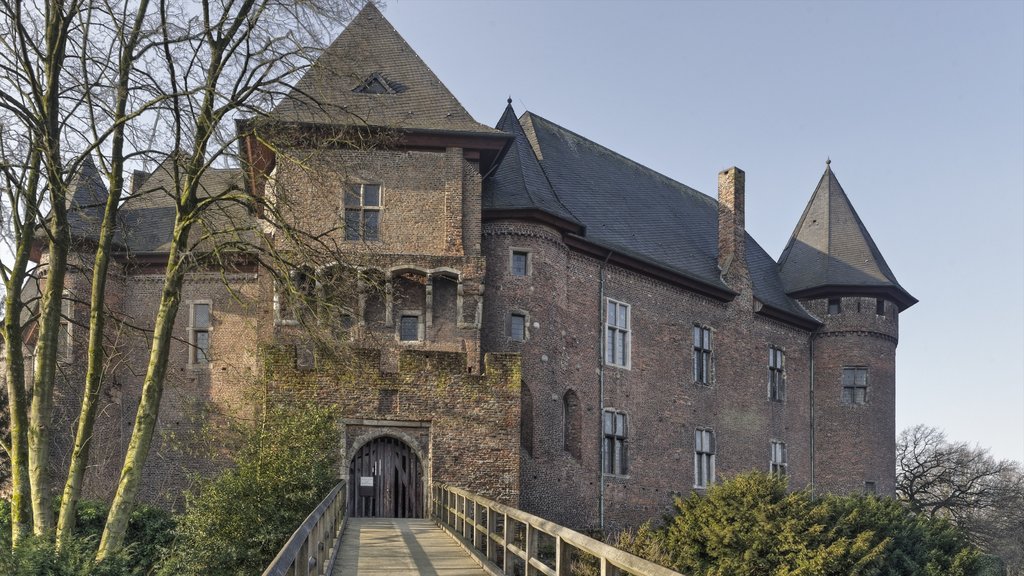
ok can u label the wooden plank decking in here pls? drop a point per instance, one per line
(401, 547)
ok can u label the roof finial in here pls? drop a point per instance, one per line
(510, 100)
(828, 160)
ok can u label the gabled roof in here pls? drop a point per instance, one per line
(147, 218)
(634, 211)
(519, 184)
(86, 200)
(370, 76)
(831, 252)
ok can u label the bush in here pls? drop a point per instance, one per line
(236, 522)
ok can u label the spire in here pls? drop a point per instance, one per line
(832, 253)
(86, 199)
(369, 75)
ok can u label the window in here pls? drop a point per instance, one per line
(778, 459)
(702, 354)
(834, 306)
(855, 385)
(880, 307)
(614, 452)
(517, 327)
(776, 374)
(870, 487)
(362, 212)
(64, 342)
(520, 263)
(572, 427)
(409, 328)
(616, 351)
(199, 333)
(703, 457)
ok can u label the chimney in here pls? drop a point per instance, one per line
(731, 237)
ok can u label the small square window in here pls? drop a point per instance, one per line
(834, 306)
(409, 328)
(520, 263)
(880, 307)
(517, 327)
(870, 487)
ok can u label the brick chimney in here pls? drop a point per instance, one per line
(732, 258)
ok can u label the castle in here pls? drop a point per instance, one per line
(528, 314)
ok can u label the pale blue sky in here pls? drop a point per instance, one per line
(920, 106)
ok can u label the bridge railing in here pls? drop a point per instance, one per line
(312, 548)
(508, 541)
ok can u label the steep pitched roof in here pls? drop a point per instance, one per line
(637, 212)
(831, 251)
(519, 183)
(370, 76)
(86, 199)
(147, 218)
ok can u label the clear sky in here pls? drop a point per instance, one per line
(920, 106)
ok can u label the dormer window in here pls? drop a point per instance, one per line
(377, 84)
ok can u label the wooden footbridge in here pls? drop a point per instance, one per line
(463, 535)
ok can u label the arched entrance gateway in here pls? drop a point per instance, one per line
(385, 481)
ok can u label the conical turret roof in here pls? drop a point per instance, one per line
(370, 76)
(832, 253)
(86, 199)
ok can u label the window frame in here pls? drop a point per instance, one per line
(362, 208)
(776, 374)
(527, 263)
(851, 399)
(510, 333)
(705, 449)
(778, 458)
(65, 337)
(613, 332)
(880, 307)
(704, 376)
(420, 328)
(194, 331)
(837, 303)
(614, 443)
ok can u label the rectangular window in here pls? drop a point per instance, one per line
(362, 212)
(520, 263)
(702, 354)
(64, 343)
(517, 327)
(616, 351)
(703, 457)
(880, 307)
(409, 328)
(615, 457)
(776, 374)
(199, 332)
(870, 487)
(855, 385)
(779, 459)
(834, 306)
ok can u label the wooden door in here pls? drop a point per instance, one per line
(385, 481)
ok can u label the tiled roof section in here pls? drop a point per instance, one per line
(635, 211)
(86, 199)
(367, 51)
(519, 183)
(147, 219)
(831, 248)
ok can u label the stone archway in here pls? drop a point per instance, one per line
(385, 480)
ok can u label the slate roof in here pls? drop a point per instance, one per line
(147, 218)
(370, 75)
(86, 200)
(629, 208)
(519, 183)
(831, 251)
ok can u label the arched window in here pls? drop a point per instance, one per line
(526, 420)
(572, 427)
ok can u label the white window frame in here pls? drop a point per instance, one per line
(778, 458)
(420, 327)
(776, 374)
(615, 443)
(614, 333)
(363, 209)
(704, 353)
(193, 349)
(512, 258)
(704, 451)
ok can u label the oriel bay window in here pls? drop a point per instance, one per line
(362, 212)
(614, 451)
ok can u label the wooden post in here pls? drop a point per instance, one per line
(506, 558)
(531, 548)
(489, 544)
(563, 557)
(608, 569)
